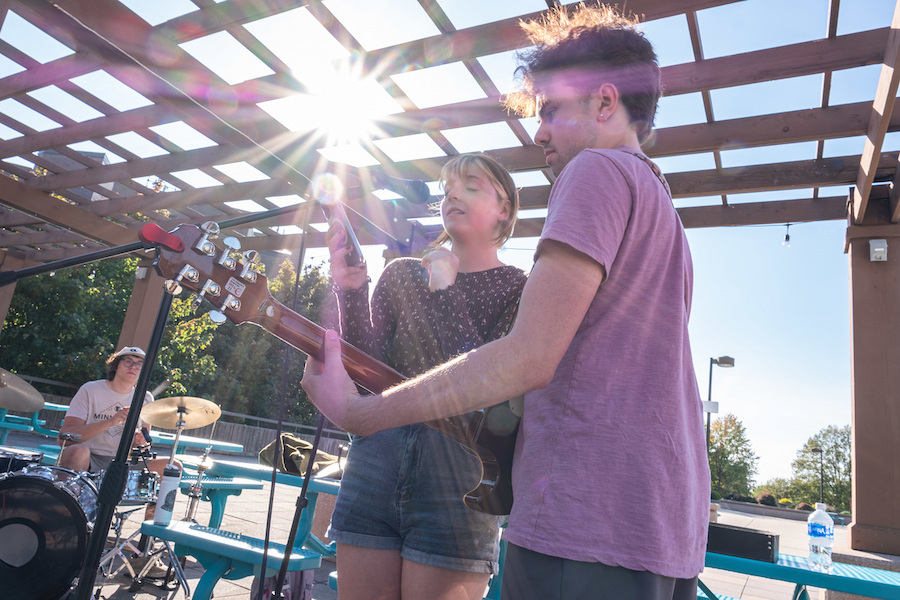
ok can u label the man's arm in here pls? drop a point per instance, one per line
(554, 302)
(90, 430)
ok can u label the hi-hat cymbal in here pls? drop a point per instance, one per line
(166, 412)
(17, 394)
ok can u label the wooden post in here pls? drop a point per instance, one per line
(10, 260)
(875, 331)
(143, 307)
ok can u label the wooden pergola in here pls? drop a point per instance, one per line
(72, 203)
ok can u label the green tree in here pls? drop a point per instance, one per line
(732, 463)
(833, 465)
(251, 360)
(64, 325)
(780, 487)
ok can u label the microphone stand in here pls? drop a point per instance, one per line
(7, 277)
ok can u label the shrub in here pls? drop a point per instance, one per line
(714, 495)
(785, 502)
(805, 506)
(739, 498)
(766, 498)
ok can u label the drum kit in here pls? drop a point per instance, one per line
(47, 513)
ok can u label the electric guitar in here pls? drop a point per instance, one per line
(188, 258)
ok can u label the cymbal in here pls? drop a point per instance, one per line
(17, 394)
(195, 412)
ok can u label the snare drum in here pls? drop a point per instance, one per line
(141, 487)
(46, 514)
(14, 459)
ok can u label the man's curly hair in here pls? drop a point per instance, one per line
(594, 45)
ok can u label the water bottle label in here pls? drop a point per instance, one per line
(821, 530)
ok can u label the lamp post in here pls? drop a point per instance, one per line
(722, 361)
(821, 473)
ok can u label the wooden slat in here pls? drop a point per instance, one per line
(882, 108)
(500, 36)
(192, 159)
(795, 60)
(49, 73)
(765, 213)
(52, 210)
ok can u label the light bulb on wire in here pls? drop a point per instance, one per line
(787, 236)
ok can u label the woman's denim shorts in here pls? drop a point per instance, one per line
(403, 489)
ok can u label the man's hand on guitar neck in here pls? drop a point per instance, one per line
(330, 388)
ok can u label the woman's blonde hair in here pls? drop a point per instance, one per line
(497, 175)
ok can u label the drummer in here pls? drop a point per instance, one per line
(98, 412)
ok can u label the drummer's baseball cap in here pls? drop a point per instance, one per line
(131, 351)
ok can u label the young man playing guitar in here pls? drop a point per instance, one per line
(611, 481)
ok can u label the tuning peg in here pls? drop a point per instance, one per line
(172, 287)
(251, 259)
(187, 272)
(217, 317)
(195, 302)
(232, 244)
(210, 228)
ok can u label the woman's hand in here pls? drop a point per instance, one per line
(345, 277)
(442, 266)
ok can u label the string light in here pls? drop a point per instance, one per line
(787, 236)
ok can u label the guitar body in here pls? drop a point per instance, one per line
(187, 257)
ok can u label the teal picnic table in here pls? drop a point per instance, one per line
(305, 538)
(216, 491)
(850, 579)
(164, 438)
(10, 422)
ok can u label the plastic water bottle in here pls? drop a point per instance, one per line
(168, 490)
(821, 539)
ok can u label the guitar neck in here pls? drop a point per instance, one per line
(306, 336)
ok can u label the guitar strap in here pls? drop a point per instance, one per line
(656, 171)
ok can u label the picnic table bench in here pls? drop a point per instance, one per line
(850, 579)
(226, 554)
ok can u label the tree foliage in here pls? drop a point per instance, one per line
(732, 462)
(64, 326)
(803, 486)
(832, 465)
(251, 360)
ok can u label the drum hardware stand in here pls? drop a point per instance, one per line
(75, 438)
(119, 545)
(195, 492)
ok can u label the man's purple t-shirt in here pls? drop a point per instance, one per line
(610, 461)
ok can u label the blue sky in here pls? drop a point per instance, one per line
(781, 312)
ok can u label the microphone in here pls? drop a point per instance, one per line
(146, 435)
(414, 191)
(335, 212)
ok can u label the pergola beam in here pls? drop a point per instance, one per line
(882, 107)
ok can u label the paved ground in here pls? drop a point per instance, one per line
(247, 514)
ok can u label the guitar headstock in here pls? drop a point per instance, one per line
(229, 280)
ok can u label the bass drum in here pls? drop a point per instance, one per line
(45, 519)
